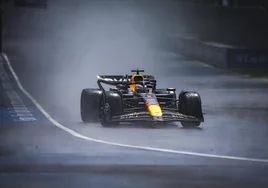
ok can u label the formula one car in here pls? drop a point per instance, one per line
(135, 98)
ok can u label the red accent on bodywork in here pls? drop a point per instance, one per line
(149, 96)
(147, 104)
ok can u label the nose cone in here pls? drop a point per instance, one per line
(155, 111)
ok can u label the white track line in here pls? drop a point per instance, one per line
(76, 134)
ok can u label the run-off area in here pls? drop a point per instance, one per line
(19, 112)
(14, 106)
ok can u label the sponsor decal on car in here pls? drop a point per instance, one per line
(113, 79)
(149, 96)
(128, 116)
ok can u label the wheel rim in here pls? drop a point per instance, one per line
(104, 111)
(101, 110)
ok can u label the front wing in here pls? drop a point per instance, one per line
(145, 116)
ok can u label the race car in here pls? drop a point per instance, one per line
(135, 98)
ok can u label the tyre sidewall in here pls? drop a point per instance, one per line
(190, 104)
(89, 105)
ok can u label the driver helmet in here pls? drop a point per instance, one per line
(139, 88)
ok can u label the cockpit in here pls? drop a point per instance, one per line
(136, 78)
(138, 83)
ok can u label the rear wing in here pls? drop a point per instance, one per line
(113, 79)
(118, 79)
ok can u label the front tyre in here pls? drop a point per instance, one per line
(105, 114)
(190, 124)
(190, 104)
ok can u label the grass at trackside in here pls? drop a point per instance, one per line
(252, 72)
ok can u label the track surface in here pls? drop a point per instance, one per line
(58, 57)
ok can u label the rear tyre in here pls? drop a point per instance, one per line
(89, 105)
(190, 104)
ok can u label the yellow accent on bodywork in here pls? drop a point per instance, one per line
(155, 110)
(133, 86)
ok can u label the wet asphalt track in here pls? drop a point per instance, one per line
(62, 56)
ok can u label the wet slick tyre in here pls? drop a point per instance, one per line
(190, 104)
(89, 105)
